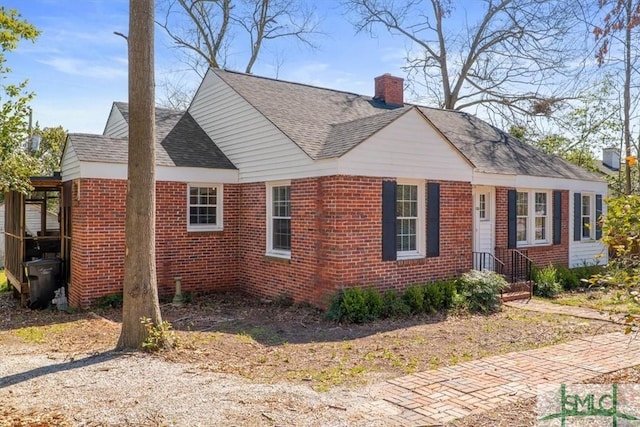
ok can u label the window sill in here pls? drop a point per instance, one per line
(409, 256)
(532, 245)
(204, 229)
(278, 257)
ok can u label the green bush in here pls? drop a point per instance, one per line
(393, 305)
(586, 272)
(356, 305)
(109, 301)
(373, 302)
(481, 290)
(546, 285)
(4, 283)
(567, 278)
(433, 298)
(414, 298)
(449, 291)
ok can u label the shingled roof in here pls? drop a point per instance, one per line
(180, 141)
(327, 123)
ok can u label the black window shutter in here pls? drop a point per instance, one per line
(511, 219)
(577, 216)
(433, 219)
(598, 215)
(389, 220)
(557, 217)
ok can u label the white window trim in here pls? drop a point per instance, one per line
(421, 226)
(531, 219)
(219, 225)
(592, 216)
(278, 253)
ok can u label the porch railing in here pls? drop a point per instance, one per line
(518, 269)
(487, 261)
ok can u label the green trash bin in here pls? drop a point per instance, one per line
(43, 275)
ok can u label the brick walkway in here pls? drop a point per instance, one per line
(432, 398)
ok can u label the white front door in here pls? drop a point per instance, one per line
(484, 227)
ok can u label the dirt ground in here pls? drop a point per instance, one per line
(267, 343)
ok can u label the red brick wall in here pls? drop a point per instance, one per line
(206, 261)
(336, 240)
(541, 255)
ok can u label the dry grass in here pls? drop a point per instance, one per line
(608, 299)
(269, 343)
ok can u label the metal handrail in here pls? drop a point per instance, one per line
(480, 262)
(521, 269)
(518, 267)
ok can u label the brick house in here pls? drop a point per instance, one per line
(276, 188)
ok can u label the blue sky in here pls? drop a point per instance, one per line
(78, 67)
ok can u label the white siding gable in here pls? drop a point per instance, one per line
(116, 126)
(70, 164)
(259, 150)
(408, 148)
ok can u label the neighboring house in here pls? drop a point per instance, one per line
(276, 188)
(610, 168)
(33, 221)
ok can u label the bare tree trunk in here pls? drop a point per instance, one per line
(627, 95)
(140, 281)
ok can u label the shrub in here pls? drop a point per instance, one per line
(356, 305)
(433, 297)
(393, 305)
(449, 291)
(109, 301)
(4, 283)
(586, 272)
(567, 278)
(546, 285)
(481, 290)
(159, 337)
(374, 304)
(414, 298)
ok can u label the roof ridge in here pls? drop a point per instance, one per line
(273, 79)
(399, 111)
(126, 104)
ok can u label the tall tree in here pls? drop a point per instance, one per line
(210, 27)
(140, 280)
(492, 54)
(16, 165)
(622, 17)
(51, 144)
(581, 129)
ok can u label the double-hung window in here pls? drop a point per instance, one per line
(410, 226)
(279, 219)
(587, 217)
(533, 217)
(204, 207)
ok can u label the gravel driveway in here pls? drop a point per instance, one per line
(114, 389)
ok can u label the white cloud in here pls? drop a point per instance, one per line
(85, 68)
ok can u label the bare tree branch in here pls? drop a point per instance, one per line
(507, 58)
(205, 29)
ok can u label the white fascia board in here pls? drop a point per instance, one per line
(163, 173)
(524, 181)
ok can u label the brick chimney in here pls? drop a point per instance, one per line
(389, 89)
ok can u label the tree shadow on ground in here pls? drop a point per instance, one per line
(95, 359)
(273, 324)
